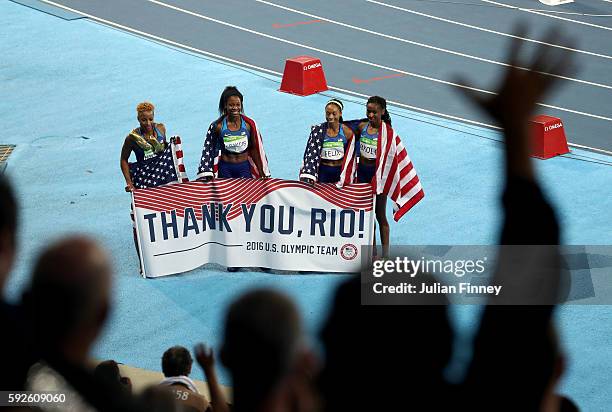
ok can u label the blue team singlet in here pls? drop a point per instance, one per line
(234, 141)
(367, 149)
(368, 144)
(333, 149)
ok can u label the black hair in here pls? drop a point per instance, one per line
(176, 361)
(339, 104)
(262, 333)
(383, 104)
(108, 371)
(66, 284)
(8, 208)
(227, 93)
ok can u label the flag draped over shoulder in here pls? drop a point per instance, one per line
(312, 156)
(163, 168)
(211, 152)
(395, 175)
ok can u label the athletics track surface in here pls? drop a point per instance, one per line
(418, 46)
(69, 88)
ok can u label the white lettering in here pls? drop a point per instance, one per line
(377, 269)
(389, 266)
(312, 66)
(554, 126)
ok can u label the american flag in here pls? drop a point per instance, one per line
(166, 167)
(244, 191)
(395, 175)
(312, 156)
(212, 152)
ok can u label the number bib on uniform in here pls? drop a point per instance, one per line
(332, 150)
(367, 147)
(236, 144)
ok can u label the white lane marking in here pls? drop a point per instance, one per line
(428, 46)
(393, 69)
(590, 148)
(330, 53)
(461, 119)
(547, 15)
(571, 13)
(263, 69)
(470, 26)
(563, 109)
(420, 109)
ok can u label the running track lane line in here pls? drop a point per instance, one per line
(375, 79)
(299, 23)
(428, 46)
(263, 69)
(470, 26)
(570, 13)
(341, 56)
(547, 15)
(252, 66)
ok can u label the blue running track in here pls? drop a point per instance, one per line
(68, 91)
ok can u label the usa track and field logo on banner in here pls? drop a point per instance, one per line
(273, 223)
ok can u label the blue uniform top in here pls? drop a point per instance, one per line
(234, 141)
(368, 144)
(139, 151)
(334, 147)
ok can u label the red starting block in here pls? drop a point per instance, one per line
(303, 76)
(547, 137)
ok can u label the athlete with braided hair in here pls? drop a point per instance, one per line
(233, 146)
(368, 132)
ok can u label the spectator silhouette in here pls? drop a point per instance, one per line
(109, 372)
(8, 230)
(68, 299)
(176, 366)
(263, 350)
(15, 346)
(384, 357)
(21, 345)
(66, 305)
(64, 308)
(514, 359)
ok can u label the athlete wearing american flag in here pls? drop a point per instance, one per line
(384, 162)
(158, 162)
(233, 146)
(330, 149)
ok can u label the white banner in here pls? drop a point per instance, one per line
(272, 223)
